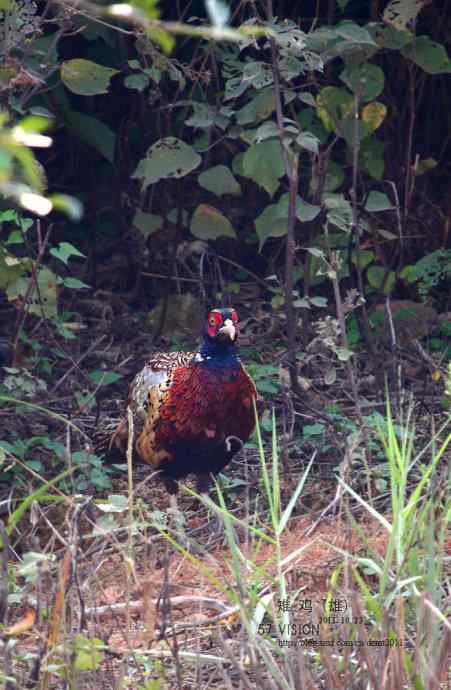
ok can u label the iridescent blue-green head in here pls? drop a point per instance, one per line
(220, 334)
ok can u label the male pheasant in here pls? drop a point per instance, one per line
(192, 411)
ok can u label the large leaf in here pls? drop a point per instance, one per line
(353, 33)
(273, 222)
(208, 223)
(401, 13)
(378, 201)
(220, 181)
(378, 278)
(258, 109)
(367, 81)
(169, 157)
(91, 131)
(372, 157)
(394, 39)
(257, 73)
(147, 223)
(86, 78)
(430, 56)
(334, 105)
(42, 303)
(203, 115)
(263, 164)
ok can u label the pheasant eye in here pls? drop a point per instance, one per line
(212, 321)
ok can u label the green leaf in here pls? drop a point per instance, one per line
(308, 141)
(137, 81)
(378, 201)
(372, 157)
(208, 223)
(307, 98)
(429, 55)
(91, 131)
(344, 354)
(8, 216)
(318, 301)
(167, 158)
(354, 33)
(373, 115)
(162, 38)
(271, 223)
(256, 73)
(335, 177)
(203, 116)
(258, 109)
(69, 205)
(400, 13)
(263, 164)
(64, 251)
(310, 430)
(147, 223)
(366, 81)
(237, 164)
(104, 378)
(74, 283)
(305, 212)
(86, 78)
(362, 258)
(220, 181)
(42, 304)
(334, 105)
(377, 277)
(117, 503)
(88, 655)
(267, 130)
(15, 237)
(394, 39)
(330, 376)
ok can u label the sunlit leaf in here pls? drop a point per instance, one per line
(167, 158)
(86, 78)
(69, 205)
(333, 105)
(373, 115)
(208, 223)
(401, 13)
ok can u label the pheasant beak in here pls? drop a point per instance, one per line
(228, 329)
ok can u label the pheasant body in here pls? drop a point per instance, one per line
(193, 411)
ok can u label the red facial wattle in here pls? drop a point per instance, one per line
(214, 323)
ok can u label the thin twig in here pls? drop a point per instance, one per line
(76, 364)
